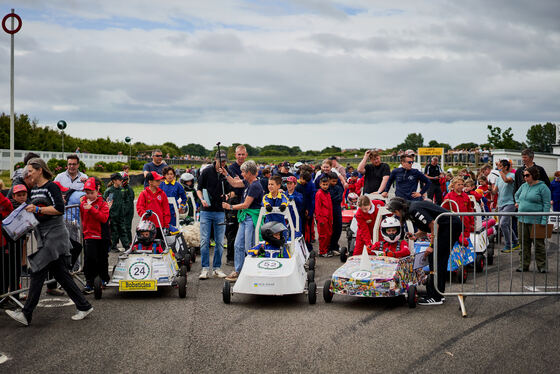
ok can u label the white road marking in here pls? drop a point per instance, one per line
(55, 302)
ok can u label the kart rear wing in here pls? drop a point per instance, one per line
(287, 216)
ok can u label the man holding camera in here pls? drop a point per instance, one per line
(376, 173)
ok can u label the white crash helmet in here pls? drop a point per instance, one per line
(297, 165)
(391, 222)
(353, 198)
(186, 177)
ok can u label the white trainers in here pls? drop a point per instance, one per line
(18, 316)
(219, 273)
(81, 314)
(204, 274)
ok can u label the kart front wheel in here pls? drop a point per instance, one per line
(187, 262)
(480, 263)
(97, 290)
(327, 294)
(182, 286)
(411, 297)
(343, 254)
(183, 270)
(226, 292)
(312, 292)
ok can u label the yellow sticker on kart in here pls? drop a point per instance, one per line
(138, 285)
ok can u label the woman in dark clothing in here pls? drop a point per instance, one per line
(53, 244)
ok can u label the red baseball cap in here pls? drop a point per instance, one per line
(19, 188)
(292, 179)
(62, 188)
(90, 184)
(153, 176)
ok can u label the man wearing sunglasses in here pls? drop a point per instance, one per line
(156, 165)
(406, 180)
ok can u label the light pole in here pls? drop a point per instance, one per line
(13, 16)
(128, 139)
(61, 126)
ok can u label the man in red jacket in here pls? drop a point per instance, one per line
(94, 212)
(154, 200)
(324, 217)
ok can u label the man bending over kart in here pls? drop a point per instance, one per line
(274, 234)
(146, 238)
(390, 246)
(423, 215)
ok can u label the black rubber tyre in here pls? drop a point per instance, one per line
(411, 297)
(193, 255)
(312, 254)
(343, 254)
(311, 276)
(312, 293)
(226, 292)
(490, 254)
(97, 290)
(182, 286)
(188, 262)
(351, 247)
(327, 294)
(480, 263)
(183, 270)
(311, 263)
(465, 275)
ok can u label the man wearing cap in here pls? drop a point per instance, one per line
(284, 172)
(154, 200)
(415, 165)
(235, 198)
(116, 195)
(72, 178)
(157, 164)
(210, 190)
(376, 173)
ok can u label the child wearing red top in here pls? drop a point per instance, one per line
(154, 199)
(390, 245)
(94, 213)
(365, 217)
(324, 217)
(463, 201)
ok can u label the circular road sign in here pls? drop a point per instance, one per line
(61, 125)
(6, 18)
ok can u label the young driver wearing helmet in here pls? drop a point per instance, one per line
(146, 238)
(365, 217)
(274, 234)
(391, 233)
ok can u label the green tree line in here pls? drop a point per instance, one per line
(30, 135)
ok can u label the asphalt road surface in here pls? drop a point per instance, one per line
(160, 333)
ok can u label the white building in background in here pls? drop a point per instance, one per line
(89, 159)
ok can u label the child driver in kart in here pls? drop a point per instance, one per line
(274, 234)
(146, 238)
(390, 246)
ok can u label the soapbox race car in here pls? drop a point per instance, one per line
(143, 270)
(269, 274)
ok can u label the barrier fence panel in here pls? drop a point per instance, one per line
(14, 277)
(508, 259)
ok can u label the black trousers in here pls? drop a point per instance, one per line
(446, 240)
(96, 260)
(11, 265)
(435, 190)
(58, 268)
(232, 225)
(337, 228)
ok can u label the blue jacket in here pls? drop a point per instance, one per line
(176, 190)
(534, 198)
(298, 200)
(406, 182)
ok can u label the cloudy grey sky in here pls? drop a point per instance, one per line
(311, 73)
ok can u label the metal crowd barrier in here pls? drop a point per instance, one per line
(502, 273)
(14, 279)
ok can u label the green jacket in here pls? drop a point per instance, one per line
(118, 197)
(128, 201)
(535, 198)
